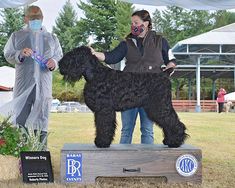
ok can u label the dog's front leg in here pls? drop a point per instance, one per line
(105, 122)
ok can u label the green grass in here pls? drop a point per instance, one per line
(213, 133)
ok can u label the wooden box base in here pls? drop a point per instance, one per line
(83, 163)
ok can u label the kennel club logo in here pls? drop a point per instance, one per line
(186, 165)
(74, 167)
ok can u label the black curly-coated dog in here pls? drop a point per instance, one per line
(107, 91)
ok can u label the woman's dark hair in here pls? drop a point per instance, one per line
(145, 16)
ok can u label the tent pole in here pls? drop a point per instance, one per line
(189, 88)
(234, 79)
(213, 89)
(198, 106)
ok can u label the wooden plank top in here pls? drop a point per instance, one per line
(125, 147)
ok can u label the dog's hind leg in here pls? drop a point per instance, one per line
(105, 122)
(173, 129)
(161, 111)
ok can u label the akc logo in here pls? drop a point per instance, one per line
(186, 165)
(74, 167)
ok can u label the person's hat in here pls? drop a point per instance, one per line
(34, 12)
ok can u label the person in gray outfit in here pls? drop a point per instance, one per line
(35, 54)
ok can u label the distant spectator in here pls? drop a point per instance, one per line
(220, 99)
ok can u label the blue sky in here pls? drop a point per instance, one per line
(51, 9)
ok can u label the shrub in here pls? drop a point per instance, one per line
(12, 141)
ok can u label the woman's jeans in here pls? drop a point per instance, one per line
(128, 125)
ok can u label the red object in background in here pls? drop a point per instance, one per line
(2, 142)
(3, 88)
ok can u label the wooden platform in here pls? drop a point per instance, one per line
(83, 163)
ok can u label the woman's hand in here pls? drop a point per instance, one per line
(170, 65)
(100, 56)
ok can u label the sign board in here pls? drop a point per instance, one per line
(36, 167)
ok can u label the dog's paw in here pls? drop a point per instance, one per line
(100, 144)
(174, 145)
(171, 143)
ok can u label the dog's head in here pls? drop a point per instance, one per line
(75, 62)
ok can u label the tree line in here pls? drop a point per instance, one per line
(106, 23)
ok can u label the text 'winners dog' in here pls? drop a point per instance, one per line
(107, 91)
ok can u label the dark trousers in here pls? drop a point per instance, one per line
(24, 114)
(221, 107)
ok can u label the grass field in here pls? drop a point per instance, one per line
(213, 133)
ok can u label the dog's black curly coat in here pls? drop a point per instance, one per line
(107, 91)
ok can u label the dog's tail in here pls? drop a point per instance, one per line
(169, 71)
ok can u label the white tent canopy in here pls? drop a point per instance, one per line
(189, 4)
(7, 78)
(5, 97)
(230, 97)
(14, 3)
(222, 35)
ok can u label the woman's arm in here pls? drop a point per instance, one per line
(168, 56)
(114, 56)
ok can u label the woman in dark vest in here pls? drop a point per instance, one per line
(145, 51)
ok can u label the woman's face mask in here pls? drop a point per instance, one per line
(137, 30)
(137, 26)
(35, 25)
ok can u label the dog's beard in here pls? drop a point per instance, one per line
(70, 71)
(72, 78)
